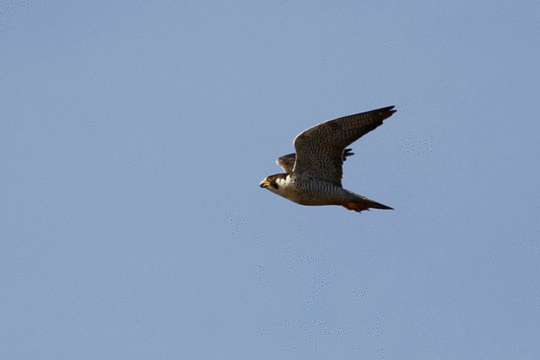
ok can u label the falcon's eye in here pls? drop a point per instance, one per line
(270, 178)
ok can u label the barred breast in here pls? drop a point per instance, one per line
(316, 192)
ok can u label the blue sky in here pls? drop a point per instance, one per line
(134, 135)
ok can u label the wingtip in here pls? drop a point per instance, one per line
(386, 112)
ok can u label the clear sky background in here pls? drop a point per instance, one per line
(134, 135)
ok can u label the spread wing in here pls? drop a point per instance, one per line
(320, 148)
(287, 161)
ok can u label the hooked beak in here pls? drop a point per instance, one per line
(264, 184)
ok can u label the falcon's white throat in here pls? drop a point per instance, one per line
(286, 187)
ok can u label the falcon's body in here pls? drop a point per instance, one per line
(313, 174)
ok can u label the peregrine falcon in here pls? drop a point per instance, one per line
(313, 174)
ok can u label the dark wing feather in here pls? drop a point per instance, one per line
(287, 161)
(320, 149)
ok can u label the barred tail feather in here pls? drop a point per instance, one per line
(365, 204)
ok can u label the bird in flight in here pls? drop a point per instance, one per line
(313, 174)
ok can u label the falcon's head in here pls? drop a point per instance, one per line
(274, 183)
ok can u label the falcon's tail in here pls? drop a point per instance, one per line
(365, 204)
